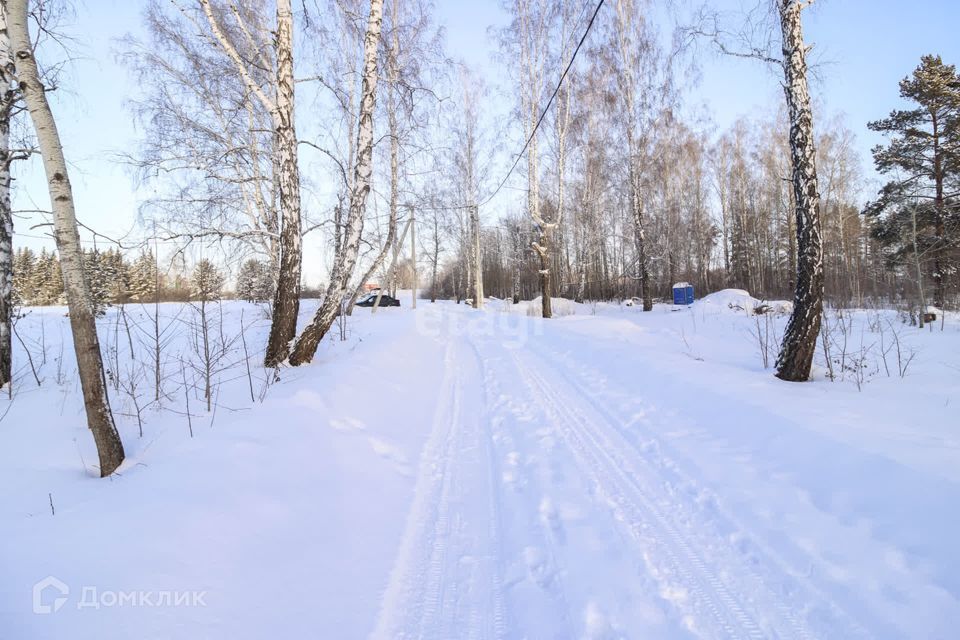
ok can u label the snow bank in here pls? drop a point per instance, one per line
(741, 301)
(534, 308)
(275, 518)
(448, 472)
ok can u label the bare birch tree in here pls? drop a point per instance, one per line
(466, 137)
(526, 44)
(393, 105)
(207, 143)
(7, 98)
(561, 120)
(286, 303)
(82, 323)
(642, 93)
(800, 339)
(344, 262)
(534, 31)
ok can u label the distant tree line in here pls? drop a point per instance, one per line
(113, 278)
(719, 209)
(110, 276)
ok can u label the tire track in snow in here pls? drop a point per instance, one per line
(497, 600)
(538, 535)
(445, 582)
(499, 604)
(416, 579)
(770, 576)
(714, 607)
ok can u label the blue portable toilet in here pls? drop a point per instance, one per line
(683, 293)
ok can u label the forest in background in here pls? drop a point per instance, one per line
(615, 191)
(718, 206)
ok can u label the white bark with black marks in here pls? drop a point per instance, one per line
(286, 303)
(636, 55)
(343, 265)
(800, 338)
(7, 99)
(393, 131)
(82, 324)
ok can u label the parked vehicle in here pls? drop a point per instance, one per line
(385, 301)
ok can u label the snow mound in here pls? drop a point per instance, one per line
(740, 301)
(559, 306)
(534, 308)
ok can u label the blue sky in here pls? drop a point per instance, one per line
(869, 46)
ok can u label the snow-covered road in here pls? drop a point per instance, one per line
(459, 474)
(544, 511)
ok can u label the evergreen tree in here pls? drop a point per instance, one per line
(207, 281)
(57, 295)
(24, 265)
(143, 277)
(116, 273)
(254, 281)
(46, 280)
(916, 213)
(40, 279)
(97, 280)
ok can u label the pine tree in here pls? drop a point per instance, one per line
(116, 273)
(206, 281)
(97, 283)
(46, 281)
(24, 265)
(254, 281)
(143, 277)
(56, 292)
(40, 280)
(916, 213)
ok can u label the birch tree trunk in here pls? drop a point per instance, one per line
(393, 130)
(82, 325)
(939, 208)
(632, 49)
(476, 258)
(286, 301)
(639, 233)
(6, 214)
(516, 261)
(561, 127)
(343, 265)
(434, 264)
(916, 258)
(467, 163)
(800, 338)
(532, 32)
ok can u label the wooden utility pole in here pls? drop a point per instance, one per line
(393, 264)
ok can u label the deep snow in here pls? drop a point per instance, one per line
(450, 473)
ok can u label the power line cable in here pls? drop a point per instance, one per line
(543, 114)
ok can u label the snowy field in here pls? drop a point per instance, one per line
(449, 473)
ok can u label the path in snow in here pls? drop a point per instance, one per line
(539, 514)
(448, 474)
